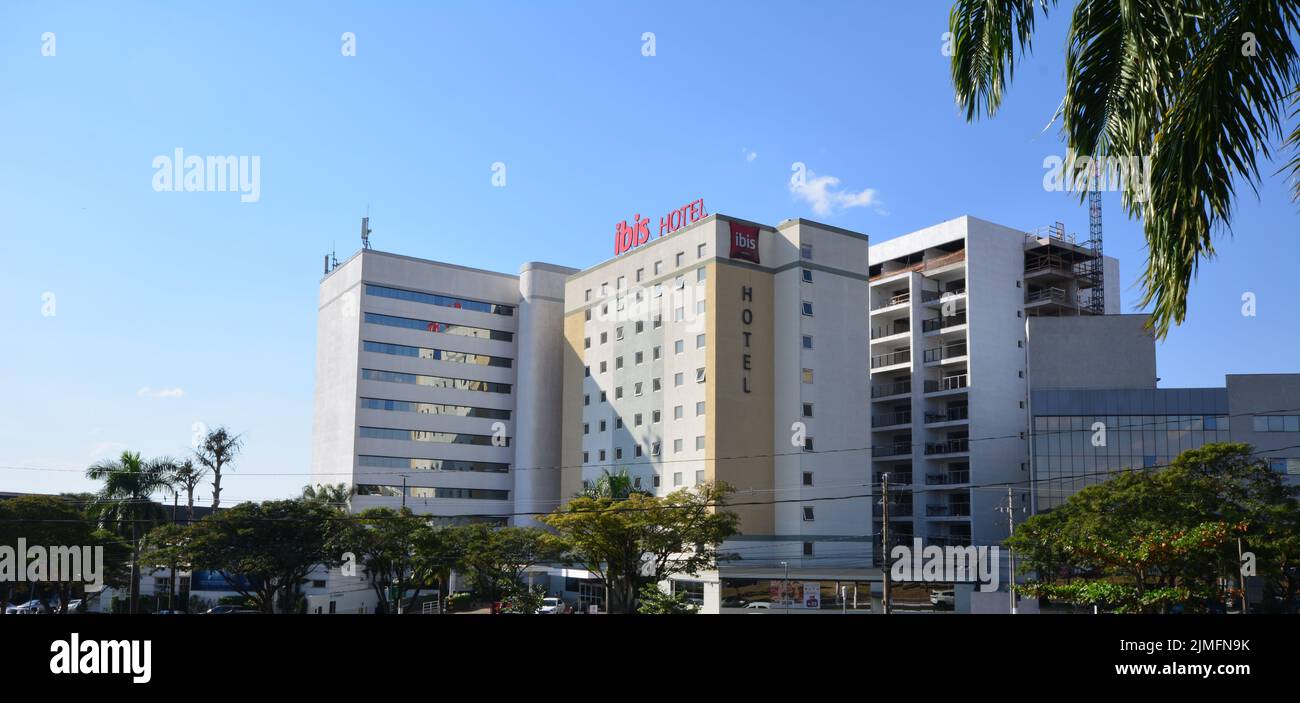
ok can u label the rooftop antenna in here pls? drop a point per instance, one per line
(365, 229)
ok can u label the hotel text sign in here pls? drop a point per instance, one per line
(628, 237)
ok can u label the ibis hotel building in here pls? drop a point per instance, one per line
(732, 351)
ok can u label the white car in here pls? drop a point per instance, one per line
(759, 605)
(943, 599)
(31, 607)
(551, 606)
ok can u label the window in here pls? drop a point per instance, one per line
(807, 478)
(808, 514)
(658, 290)
(807, 375)
(699, 341)
(679, 346)
(699, 442)
(604, 337)
(618, 393)
(807, 341)
(586, 343)
(586, 428)
(618, 334)
(622, 282)
(1276, 423)
(618, 423)
(604, 289)
(618, 362)
(588, 314)
(588, 295)
(677, 446)
(807, 309)
(603, 425)
(603, 397)
(681, 256)
(586, 371)
(678, 379)
(618, 452)
(656, 385)
(677, 478)
(808, 444)
(602, 455)
(701, 275)
(699, 375)
(604, 367)
(636, 420)
(807, 409)
(659, 266)
(640, 358)
(655, 416)
(677, 412)
(636, 390)
(640, 327)
(700, 306)
(658, 321)
(586, 400)
(654, 448)
(807, 276)
(586, 457)
(805, 251)
(808, 549)
(655, 481)
(654, 354)
(699, 252)
(699, 408)
(699, 477)
(679, 283)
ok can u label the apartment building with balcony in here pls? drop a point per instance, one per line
(949, 391)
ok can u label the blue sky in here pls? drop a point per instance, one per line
(175, 308)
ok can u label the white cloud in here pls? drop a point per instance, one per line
(826, 197)
(148, 392)
(749, 155)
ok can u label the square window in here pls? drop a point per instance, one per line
(808, 513)
(807, 276)
(807, 309)
(700, 306)
(636, 420)
(618, 392)
(807, 341)
(807, 375)
(699, 442)
(807, 478)
(640, 358)
(677, 478)
(678, 379)
(805, 251)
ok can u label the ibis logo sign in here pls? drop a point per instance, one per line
(628, 237)
(744, 242)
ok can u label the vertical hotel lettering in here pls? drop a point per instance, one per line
(744, 246)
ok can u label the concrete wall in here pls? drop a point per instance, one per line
(1103, 351)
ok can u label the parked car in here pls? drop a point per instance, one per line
(31, 607)
(551, 606)
(229, 610)
(759, 605)
(943, 600)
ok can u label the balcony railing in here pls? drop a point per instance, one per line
(951, 446)
(893, 449)
(895, 388)
(950, 510)
(889, 331)
(943, 322)
(948, 540)
(1043, 295)
(895, 299)
(949, 351)
(947, 383)
(950, 415)
(930, 296)
(899, 357)
(898, 418)
(948, 478)
(900, 509)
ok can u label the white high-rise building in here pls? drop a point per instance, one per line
(437, 386)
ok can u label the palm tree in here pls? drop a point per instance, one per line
(218, 449)
(333, 495)
(125, 503)
(186, 476)
(619, 486)
(1201, 87)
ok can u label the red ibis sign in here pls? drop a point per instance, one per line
(628, 237)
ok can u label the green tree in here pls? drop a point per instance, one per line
(48, 522)
(186, 477)
(497, 558)
(332, 495)
(645, 539)
(125, 503)
(385, 542)
(272, 545)
(1199, 86)
(215, 453)
(1145, 541)
(610, 485)
(655, 602)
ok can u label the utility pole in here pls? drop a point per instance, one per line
(1241, 577)
(1011, 553)
(403, 490)
(785, 588)
(884, 543)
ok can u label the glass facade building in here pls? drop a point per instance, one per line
(1084, 437)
